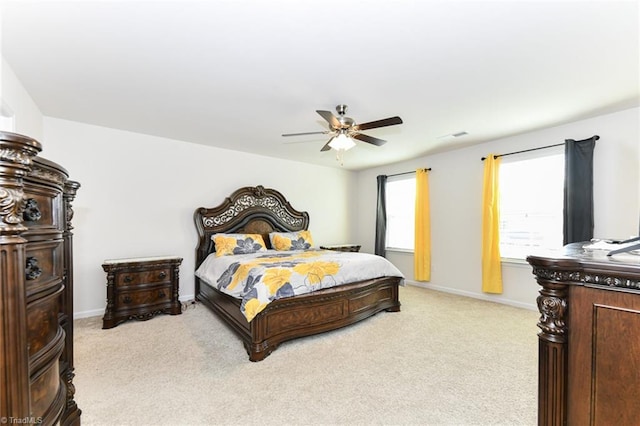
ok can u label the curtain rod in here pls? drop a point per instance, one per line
(406, 173)
(595, 137)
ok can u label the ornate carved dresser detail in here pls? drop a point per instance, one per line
(589, 344)
(36, 286)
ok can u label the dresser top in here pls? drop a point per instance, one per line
(583, 254)
(578, 264)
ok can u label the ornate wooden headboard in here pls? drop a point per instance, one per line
(250, 210)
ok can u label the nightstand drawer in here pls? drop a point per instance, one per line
(136, 278)
(143, 298)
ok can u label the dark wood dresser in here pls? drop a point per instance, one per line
(140, 288)
(589, 346)
(36, 286)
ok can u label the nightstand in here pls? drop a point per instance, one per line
(140, 288)
(342, 247)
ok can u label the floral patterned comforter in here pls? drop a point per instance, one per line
(259, 278)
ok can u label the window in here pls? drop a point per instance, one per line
(401, 205)
(531, 204)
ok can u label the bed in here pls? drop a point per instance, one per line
(263, 211)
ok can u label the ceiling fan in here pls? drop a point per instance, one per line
(344, 129)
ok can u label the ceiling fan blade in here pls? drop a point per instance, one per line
(368, 139)
(331, 119)
(391, 121)
(306, 133)
(326, 146)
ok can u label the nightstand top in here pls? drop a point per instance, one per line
(141, 259)
(342, 247)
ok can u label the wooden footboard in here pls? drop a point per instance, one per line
(305, 315)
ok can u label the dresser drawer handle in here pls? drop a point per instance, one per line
(161, 294)
(126, 299)
(162, 275)
(32, 270)
(31, 211)
(127, 279)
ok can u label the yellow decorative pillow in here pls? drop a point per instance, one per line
(230, 244)
(285, 241)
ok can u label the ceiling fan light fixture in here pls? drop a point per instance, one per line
(342, 142)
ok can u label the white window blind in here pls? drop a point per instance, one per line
(531, 203)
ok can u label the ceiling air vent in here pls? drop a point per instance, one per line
(453, 135)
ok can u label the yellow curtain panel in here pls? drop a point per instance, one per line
(491, 267)
(422, 244)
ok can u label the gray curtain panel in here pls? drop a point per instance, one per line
(381, 217)
(578, 189)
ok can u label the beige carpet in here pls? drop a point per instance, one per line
(442, 360)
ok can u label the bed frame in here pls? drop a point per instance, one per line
(259, 210)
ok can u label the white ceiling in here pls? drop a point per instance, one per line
(237, 74)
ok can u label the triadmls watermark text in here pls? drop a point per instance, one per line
(30, 420)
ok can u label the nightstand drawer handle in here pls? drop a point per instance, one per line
(126, 299)
(162, 275)
(32, 269)
(127, 279)
(31, 211)
(161, 294)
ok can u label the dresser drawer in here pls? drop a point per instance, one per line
(136, 278)
(42, 321)
(47, 393)
(43, 209)
(43, 266)
(143, 298)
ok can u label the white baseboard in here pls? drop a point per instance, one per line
(88, 314)
(187, 298)
(473, 295)
(100, 312)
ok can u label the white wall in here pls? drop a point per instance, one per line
(455, 197)
(28, 118)
(139, 194)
